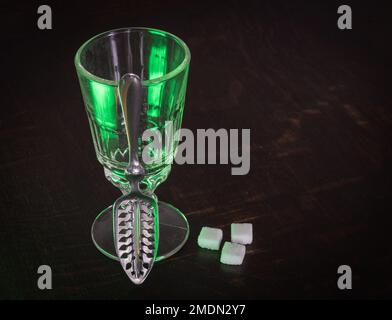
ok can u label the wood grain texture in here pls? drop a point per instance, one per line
(317, 101)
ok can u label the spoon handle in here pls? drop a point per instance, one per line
(131, 98)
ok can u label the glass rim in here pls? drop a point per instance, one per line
(181, 67)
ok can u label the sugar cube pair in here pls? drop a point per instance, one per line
(232, 252)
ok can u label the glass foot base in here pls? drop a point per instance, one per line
(173, 231)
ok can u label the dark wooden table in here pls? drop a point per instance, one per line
(317, 101)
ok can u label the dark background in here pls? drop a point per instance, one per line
(317, 101)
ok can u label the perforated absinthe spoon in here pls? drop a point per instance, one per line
(135, 215)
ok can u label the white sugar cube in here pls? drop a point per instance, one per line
(242, 233)
(210, 238)
(232, 253)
